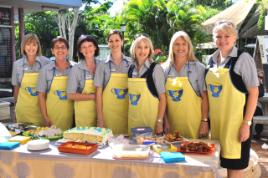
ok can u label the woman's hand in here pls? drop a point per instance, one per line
(244, 132)
(48, 122)
(100, 120)
(159, 127)
(166, 124)
(203, 129)
(100, 123)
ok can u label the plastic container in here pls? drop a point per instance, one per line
(145, 131)
(172, 157)
(78, 148)
(9, 145)
(130, 152)
(19, 138)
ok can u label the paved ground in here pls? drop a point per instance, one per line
(263, 155)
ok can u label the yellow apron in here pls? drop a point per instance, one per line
(27, 108)
(226, 105)
(59, 109)
(115, 103)
(85, 111)
(143, 106)
(183, 107)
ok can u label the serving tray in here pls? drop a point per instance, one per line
(78, 148)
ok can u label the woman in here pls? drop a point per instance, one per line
(80, 82)
(111, 87)
(232, 92)
(24, 79)
(146, 86)
(185, 89)
(55, 107)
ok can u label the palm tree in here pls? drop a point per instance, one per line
(147, 16)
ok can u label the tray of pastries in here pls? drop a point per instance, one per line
(78, 148)
(173, 137)
(196, 147)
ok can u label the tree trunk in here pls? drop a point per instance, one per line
(62, 22)
(68, 20)
(72, 23)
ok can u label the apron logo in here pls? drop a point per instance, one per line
(120, 93)
(134, 99)
(61, 94)
(175, 94)
(32, 91)
(215, 90)
(89, 77)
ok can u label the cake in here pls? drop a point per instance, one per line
(88, 134)
(35, 145)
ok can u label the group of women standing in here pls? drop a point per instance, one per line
(121, 93)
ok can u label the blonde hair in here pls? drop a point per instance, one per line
(30, 38)
(185, 37)
(135, 44)
(226, 26)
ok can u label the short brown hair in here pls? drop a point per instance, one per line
(59, 39)
(29, 38)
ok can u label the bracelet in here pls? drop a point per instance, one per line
(204, 120)
(159, 120)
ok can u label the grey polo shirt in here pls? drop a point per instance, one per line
(105, 68)
(22, 66)
(194, 70)
(245, 67)
(77, 77)
(158, 75)
(47, 74)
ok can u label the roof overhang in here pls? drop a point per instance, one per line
(236, 13)
(39, 5)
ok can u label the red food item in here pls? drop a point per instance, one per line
(197, 147)
(78, 148)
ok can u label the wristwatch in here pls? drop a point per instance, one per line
(248, 122)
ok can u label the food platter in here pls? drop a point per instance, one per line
(50, 133)
(196, 147)
(78, 148)
(174, 138)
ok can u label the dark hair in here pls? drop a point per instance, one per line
(113, 32)
(88, 38)
(59, 39)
